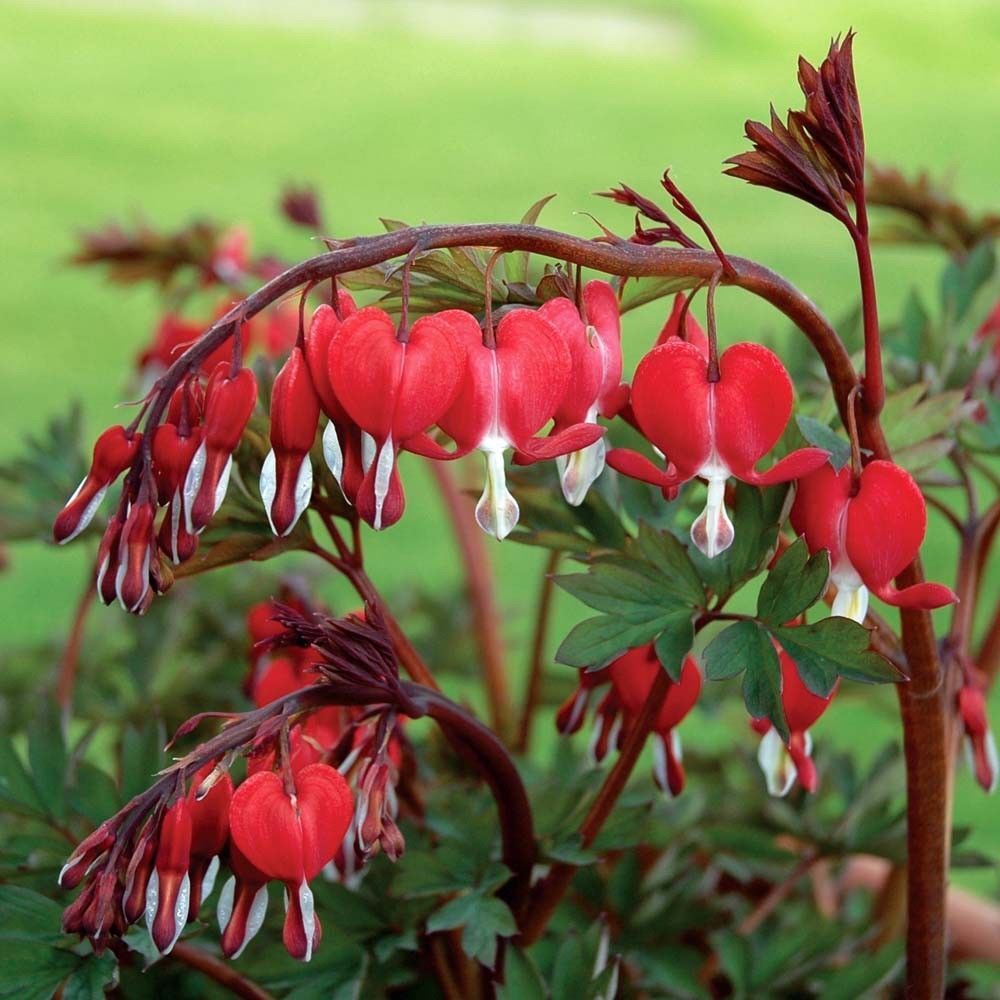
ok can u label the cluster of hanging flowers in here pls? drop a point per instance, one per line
(318, 799)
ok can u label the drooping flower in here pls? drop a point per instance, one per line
(192, 833)
(242, 904)
(981, 747)
(872, 531)
(286, 477)
(593, 342)
(114, 452)
(394, 389)
(781, 762)
(291, 837)
(573, 710)
(712, 430)
(692, 331)
(632, 677)
(229, 401)
(509, 392)
(175, 443)
(138, 558)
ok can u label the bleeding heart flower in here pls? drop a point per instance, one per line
(872, 533)
(593, 342)
(137, 554)
(286, 477)
(114, 452)
(342, 438)
(509, 392)
(571, 713)
(981, 747)
(781, 762)
(394, 390)
(632, 678)
(229, 401)
(692, 332)
(291, 837)
(173, 452)
(712, 430)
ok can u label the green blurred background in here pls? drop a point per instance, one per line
(439, 112)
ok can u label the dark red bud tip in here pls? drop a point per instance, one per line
(804, 766)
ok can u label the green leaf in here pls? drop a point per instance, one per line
(820, 435)
(619, 590)
(726, 655)
(16, 786)
(797, 582)
(522, 980)
(675, 642)
(962, 279)
(516, 264)
(34, 970)
(92, 980)
(47, 756)
(484, 919)
(670, 557)
(142, 756)
(596, 641)
(29, 916)
(641, 291)
(831, 647)
(573, 969)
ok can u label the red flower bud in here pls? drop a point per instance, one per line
(114, 452)
(87, 854)
(872, 535)
(168, 892)
(394, 391)
(242, 904)
(572, 711)
(712, 430)
(136, 550)
(229, 401)
(980, 745)
(291, 838)
(286, 478)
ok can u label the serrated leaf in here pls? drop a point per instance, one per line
(596, 641)
(762, 683)
(670, 557)
(820, 435)
(618, 590)
(796, 582)
(484, 919)
(516, 264)
(831, 647)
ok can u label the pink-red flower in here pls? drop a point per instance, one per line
(782, 762)
(632, 678)
(394, 388)
(508, 393)
(114, 452)
(229, 401)
(290, 835)
(593, 342)
(872, 529)
(712, 430)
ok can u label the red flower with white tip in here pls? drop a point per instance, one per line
(291, 836)
(712, 430)
(573, 710)
(229, 401)
(394, 388)
(242, 904)
(342, 438)
(781, 762)
(872, 531)
(509, 392)
(593, 341)
(980, 746)
(632, 678)
(286, 477)
(173, 449)
(137, 552)
(114, 452)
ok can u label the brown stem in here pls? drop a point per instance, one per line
(550, 891)
(439, 959)
(777, 895)
(70, 658)
(533, 685)
(215, 968)
(874, 385)
(479, 581)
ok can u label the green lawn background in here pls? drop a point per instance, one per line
(106, 113)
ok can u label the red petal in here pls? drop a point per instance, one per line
(820, 505)
(565, 441)
(322, 329)
(792, 466)
(425, 445)
(802, 707)
(534, 368)
(886, 522)
(692, 333)
(586, 358)
(633, 675)
(631, 463)
(670, 402)
(753, 401)
(926, 596)
(281, 677)
(294, 407)
(469, 418)
(600, 303)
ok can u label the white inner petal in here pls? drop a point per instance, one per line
(775, 762)
(220, 490)
(579, 470)
(497, 511)
(303, 490)
(269, 485)
(332, 452)
(192, 484)
(224, 908)
(208, 882)
(383, 476)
